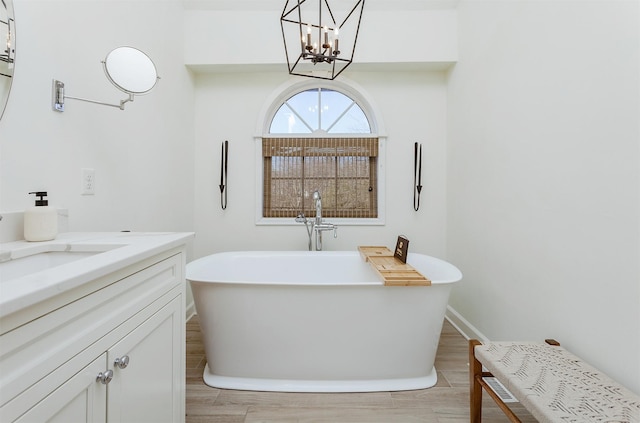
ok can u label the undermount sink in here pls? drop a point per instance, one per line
(43, 260)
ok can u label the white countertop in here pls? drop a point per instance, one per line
(123, 249)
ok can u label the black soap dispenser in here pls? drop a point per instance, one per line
(40, 221)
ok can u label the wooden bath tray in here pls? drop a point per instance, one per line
(392, 271)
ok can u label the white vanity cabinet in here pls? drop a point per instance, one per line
(143, 388)
(80, 399)
(116, 354)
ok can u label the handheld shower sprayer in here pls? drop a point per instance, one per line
(301, 218)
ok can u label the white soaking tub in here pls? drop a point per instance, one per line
(301, 321)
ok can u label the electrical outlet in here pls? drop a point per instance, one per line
(88, 182)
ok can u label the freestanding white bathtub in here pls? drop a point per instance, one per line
(300, 321)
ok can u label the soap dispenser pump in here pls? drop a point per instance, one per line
(41, 221)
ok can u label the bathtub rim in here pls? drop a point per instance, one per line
(456, 275)
(319, 386)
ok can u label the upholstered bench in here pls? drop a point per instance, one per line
(550, 382)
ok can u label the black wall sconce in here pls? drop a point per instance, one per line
(224, 157)
(417, 175)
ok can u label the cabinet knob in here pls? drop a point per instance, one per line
(122, 362)
(105, 377)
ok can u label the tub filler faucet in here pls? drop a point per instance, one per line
(318, 201)
(317, 225)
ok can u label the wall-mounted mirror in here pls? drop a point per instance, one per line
(7, 51)
(129, 69)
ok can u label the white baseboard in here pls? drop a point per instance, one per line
(190, 311)
(463, 326)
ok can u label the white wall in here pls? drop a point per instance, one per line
(388, 34)
(543, 181)
(142, 156)
(228, 105)
(239, 73)
(531, 151)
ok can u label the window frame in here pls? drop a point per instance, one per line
(267, 115)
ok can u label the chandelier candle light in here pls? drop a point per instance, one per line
(313, 29)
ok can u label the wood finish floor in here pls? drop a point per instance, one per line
(447, 402)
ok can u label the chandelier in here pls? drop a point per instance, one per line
(319, 43)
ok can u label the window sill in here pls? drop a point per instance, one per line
(272, 221)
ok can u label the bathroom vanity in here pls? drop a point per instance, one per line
(92, 328)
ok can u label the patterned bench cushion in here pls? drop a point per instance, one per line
(556, 386)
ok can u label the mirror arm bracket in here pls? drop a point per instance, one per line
(58, 98)
(126, 100)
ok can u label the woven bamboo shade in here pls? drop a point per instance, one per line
(342, 169)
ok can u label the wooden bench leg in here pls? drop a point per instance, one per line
(477, 384)
(475, 393)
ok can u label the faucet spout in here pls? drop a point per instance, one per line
(318, 202)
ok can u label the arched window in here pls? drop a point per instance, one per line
(320, 139)
(320, 109)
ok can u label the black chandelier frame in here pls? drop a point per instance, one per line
(327, 52)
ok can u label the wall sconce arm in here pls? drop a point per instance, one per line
(59, 97)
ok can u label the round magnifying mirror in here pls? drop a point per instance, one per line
(130, 70)
(7, 51)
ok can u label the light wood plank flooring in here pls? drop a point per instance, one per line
(448, 401)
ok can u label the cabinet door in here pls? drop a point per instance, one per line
(80, 399)
(151, 386)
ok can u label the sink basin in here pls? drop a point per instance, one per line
(43, 260)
